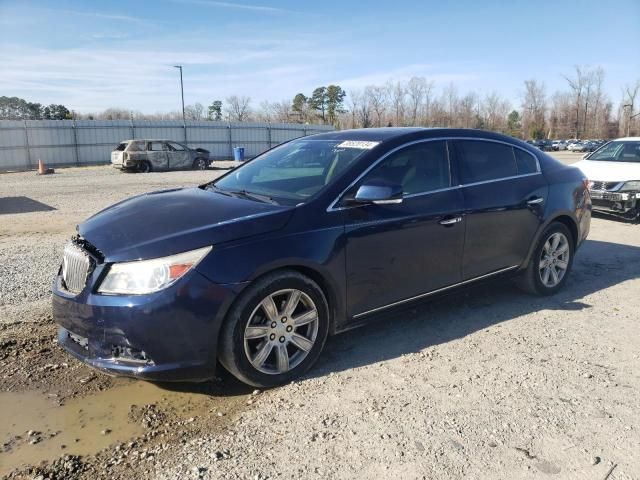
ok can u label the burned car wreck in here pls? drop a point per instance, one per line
(158, 155)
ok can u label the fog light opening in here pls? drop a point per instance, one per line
(130, 355)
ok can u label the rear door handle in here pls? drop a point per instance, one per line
(535, 201)
(450, 221)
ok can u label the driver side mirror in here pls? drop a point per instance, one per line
(378, 194)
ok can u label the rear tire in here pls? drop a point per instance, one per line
(272, 345)
(551, 262)
(145, 167)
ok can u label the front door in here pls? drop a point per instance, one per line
(178, 156)
(398, 251)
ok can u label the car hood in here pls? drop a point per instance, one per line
(172, 221)
(609, 171)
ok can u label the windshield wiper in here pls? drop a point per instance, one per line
(218, 190)
(253, 196)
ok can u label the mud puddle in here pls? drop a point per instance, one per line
(35, 428)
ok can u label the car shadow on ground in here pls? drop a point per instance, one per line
(598, 265)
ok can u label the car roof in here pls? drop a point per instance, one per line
(149, 140)
(394, 133)
(628, 139)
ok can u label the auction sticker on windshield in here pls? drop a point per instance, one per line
(357, 144)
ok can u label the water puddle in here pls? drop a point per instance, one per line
(34, 428)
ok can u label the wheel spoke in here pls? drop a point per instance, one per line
(554, 275)
(269, 307)
(562, 249)
(305, 318)
(262, 354)
(252, 332)
(562, 264)
(292, 302)
(545, 275)
(282, 358)
(301, 342)
(555, 242)
(547, 246)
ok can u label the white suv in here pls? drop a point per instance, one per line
(613, 171)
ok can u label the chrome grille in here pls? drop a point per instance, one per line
(75, 268)
(597, 185)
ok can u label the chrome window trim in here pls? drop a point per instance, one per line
(333, 208)
(433, 292)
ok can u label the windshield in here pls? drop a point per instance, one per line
(618, 151)
(293, 172)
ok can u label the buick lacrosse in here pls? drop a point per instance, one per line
(321, 234)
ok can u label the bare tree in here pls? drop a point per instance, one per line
(377, 98)
(397, 95)
(194, 112)
(239, 107)
(629, 102)
(417, 88)
(534, 108)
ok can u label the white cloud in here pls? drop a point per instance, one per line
(233, 5)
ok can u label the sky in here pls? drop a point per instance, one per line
(91, 55)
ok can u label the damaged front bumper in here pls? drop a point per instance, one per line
(171, 335)
(614, 202)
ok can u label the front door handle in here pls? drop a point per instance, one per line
(450, 221)
(535, 201)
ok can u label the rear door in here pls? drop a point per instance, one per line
(157, 155)
(504, 195)
(396, 252)
(179, 157)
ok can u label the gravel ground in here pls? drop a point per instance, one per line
(490, 383)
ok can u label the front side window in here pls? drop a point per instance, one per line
(418, 168)
(482, 161)
(618, 151)
(293, 172)
(175, 147)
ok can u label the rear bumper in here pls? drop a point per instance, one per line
(171, 335)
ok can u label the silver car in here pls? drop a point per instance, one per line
(158, 155)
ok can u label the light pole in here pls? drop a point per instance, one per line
(184, 123)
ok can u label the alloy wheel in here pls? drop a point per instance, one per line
(554, 260)
(281, 331)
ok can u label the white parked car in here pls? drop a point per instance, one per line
(613, 171)
(577, 147)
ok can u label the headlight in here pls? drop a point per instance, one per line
(632, 186)
(148, 276)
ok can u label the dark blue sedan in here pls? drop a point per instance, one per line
(313, 237)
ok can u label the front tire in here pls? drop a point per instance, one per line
(276, 330)
(199, 164)
(550, 263)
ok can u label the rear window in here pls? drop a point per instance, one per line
(482, 161)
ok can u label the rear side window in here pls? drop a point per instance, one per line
(525, 162)
(136, 146)
(482, 161)
(156, 146)
(418, 168)
(176, 147)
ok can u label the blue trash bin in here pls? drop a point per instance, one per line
(238, 154)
